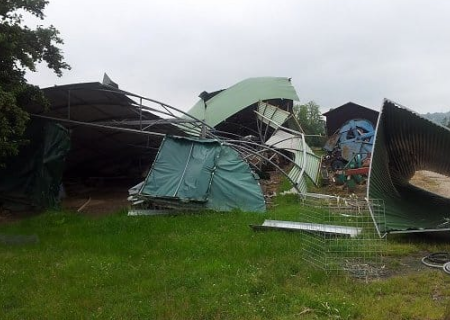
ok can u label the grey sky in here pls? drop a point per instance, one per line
(335, 51)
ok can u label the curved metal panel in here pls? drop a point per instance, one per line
(241, 95)
(405, 142)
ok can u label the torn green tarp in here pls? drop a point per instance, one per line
(32, 179)
(405, 142)
(204, 171)
(183, 169)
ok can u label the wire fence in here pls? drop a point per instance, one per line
(345, 236)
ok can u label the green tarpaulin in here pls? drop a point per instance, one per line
(32, 179)
(205, 172)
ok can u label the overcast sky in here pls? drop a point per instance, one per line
(335, 51)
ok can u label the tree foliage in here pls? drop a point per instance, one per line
(21, 49)
(312, 122)
(446, 122)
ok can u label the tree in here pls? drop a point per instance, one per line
(21, 49)
(312, 122)
(446, 122)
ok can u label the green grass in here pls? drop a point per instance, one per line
(196, 266)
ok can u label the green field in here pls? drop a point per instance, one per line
(199, 266)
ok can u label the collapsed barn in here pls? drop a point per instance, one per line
(114, 133)
(254, 118)
(95, 130)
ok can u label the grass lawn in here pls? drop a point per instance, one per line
(197, 266)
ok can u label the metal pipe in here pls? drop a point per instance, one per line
(164, 105)
(94, 125)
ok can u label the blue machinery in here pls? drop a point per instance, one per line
(354, 138)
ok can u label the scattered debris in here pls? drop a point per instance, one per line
(149, 212)
(84, 205)
(255, 117)
(305, 163)
(364, 271)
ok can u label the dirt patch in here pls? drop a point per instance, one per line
(342, 191)
(7, 216)
(98, 197)
(103, 197)
(400, 266)
(391, 266)
(433, 182)
(95, 199)
(98, 202)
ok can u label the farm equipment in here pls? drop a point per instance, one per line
(349, 152)
(355, 137)
(353, 173)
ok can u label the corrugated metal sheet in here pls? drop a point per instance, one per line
(312, 227)
(294, 144)
(311, 163)
(285, 140)
(300, 180)
(271, 115)
(294, 174)
(405, 142)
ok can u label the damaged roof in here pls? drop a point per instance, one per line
(104, 126)
(224, 104)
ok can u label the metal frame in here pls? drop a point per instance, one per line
(184, 121)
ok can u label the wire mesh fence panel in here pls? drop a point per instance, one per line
(345, 236)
